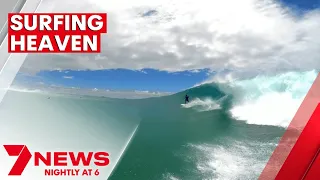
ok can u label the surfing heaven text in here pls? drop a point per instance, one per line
(56, 32)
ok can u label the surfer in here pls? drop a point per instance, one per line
(186, 99)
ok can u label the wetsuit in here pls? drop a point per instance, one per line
(186, 99)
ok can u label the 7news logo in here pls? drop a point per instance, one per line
(57, 159)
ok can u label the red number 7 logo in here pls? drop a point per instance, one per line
(24, 157)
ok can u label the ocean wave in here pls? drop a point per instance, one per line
(262, 100)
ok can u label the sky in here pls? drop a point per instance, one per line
(120, 79)
(304, 5)
(171, 45)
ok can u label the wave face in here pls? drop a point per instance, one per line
(52, 122)
(225, 128)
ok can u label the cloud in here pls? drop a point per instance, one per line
(68, 77)
(247, 37)
(55, 89)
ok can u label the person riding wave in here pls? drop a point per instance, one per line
(186, 99)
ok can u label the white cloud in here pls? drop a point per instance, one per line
(68, 77)
(54, 89)
(246, 36)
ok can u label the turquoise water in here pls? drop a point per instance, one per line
(227, 131)
(184, 143)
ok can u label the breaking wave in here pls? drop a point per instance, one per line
(217, 135)
(262, 100)
(270, 100)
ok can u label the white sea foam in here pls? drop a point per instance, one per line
(270, 100)
(237, 160)
(169, 176)
(206, 104)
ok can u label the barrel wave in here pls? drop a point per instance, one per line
(227, 131)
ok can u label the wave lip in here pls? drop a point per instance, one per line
(269, 109)
(270, 100)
